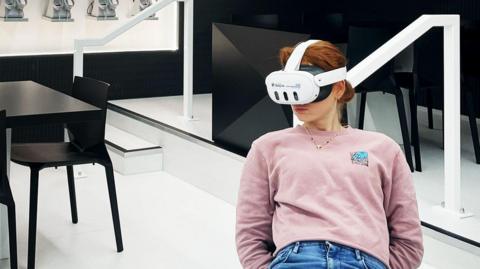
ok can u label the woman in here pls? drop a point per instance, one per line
(322, 195)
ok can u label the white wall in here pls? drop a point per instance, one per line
(40, 36)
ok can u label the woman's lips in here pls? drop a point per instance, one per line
(300, 109)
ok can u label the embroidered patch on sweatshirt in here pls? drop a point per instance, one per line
(359, 157)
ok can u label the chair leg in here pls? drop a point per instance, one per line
(12, 235)
(361, 117)
(429, 108)
(114, 206)
(473, 125)
(414, 128)
(404, 127)
(73, 198)
(32, 227)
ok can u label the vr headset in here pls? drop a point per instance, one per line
(302, 84)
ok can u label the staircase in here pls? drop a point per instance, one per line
(131, 154)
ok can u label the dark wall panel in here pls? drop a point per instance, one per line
(206, 12)
(131, 74)
(242, 111)
(139, 74)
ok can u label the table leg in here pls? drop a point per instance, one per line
(4, 247)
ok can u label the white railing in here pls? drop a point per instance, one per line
(81, 44)
(451, 55)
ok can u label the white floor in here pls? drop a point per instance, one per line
(169, 110)
(166, 223)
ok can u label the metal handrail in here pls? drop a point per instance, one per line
(451, 54)
(81, 44)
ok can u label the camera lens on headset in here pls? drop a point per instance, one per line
(295, 95)
(285, 96)
(276, 95)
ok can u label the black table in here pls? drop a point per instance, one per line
(28, 103)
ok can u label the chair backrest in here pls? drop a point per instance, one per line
(469, 55)
(428, 58)
(3, 147)
(362, 41)
(88, 134)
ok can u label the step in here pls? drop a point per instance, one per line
(190, 158)
(446, 252)
(131, 154)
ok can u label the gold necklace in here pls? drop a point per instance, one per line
(320, 146)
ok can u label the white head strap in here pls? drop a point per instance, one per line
(295, 58)
(331, 76)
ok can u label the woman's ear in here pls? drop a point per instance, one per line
(339, 89)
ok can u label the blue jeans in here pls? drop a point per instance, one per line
(323, 255)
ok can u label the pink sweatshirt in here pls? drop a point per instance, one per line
(357, 191)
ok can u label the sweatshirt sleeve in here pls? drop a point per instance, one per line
(406, 241)
(254, 213)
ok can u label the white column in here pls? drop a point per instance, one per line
(188, 60)
(452, 115)
(4, 245)
(77, 59)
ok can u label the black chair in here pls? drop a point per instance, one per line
(428, 70)
(6, 196)
(87, 146)
(407, 80)
(471, 80)
(362, 41)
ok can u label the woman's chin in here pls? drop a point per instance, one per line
(301, 117)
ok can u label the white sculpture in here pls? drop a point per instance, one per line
(139, 5)
(12, 9)
(103, 9)
(59, 10)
